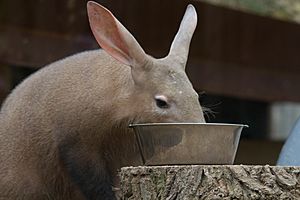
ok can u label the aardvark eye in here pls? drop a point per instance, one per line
(161, 101)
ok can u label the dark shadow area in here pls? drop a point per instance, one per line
(238, 111)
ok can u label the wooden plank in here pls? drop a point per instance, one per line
(31, 48)
(34, 33)
(246, 40)
(64, 17)
(244, 82)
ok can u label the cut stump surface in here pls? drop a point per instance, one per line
(210, 182)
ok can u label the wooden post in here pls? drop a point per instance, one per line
(210, 182)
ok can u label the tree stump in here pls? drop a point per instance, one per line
(210, 182)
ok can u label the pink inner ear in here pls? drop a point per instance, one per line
(107, 31)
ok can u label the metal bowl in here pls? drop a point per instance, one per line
(187, 143)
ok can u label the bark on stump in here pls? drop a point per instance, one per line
(210, 182)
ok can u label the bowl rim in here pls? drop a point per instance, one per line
(187, 123)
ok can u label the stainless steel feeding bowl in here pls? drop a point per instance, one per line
(187, 143)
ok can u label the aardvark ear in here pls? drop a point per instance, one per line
(113, 37)
(180, 47)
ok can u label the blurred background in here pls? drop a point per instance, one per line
(244, 58)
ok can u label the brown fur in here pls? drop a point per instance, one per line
(64, 130)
